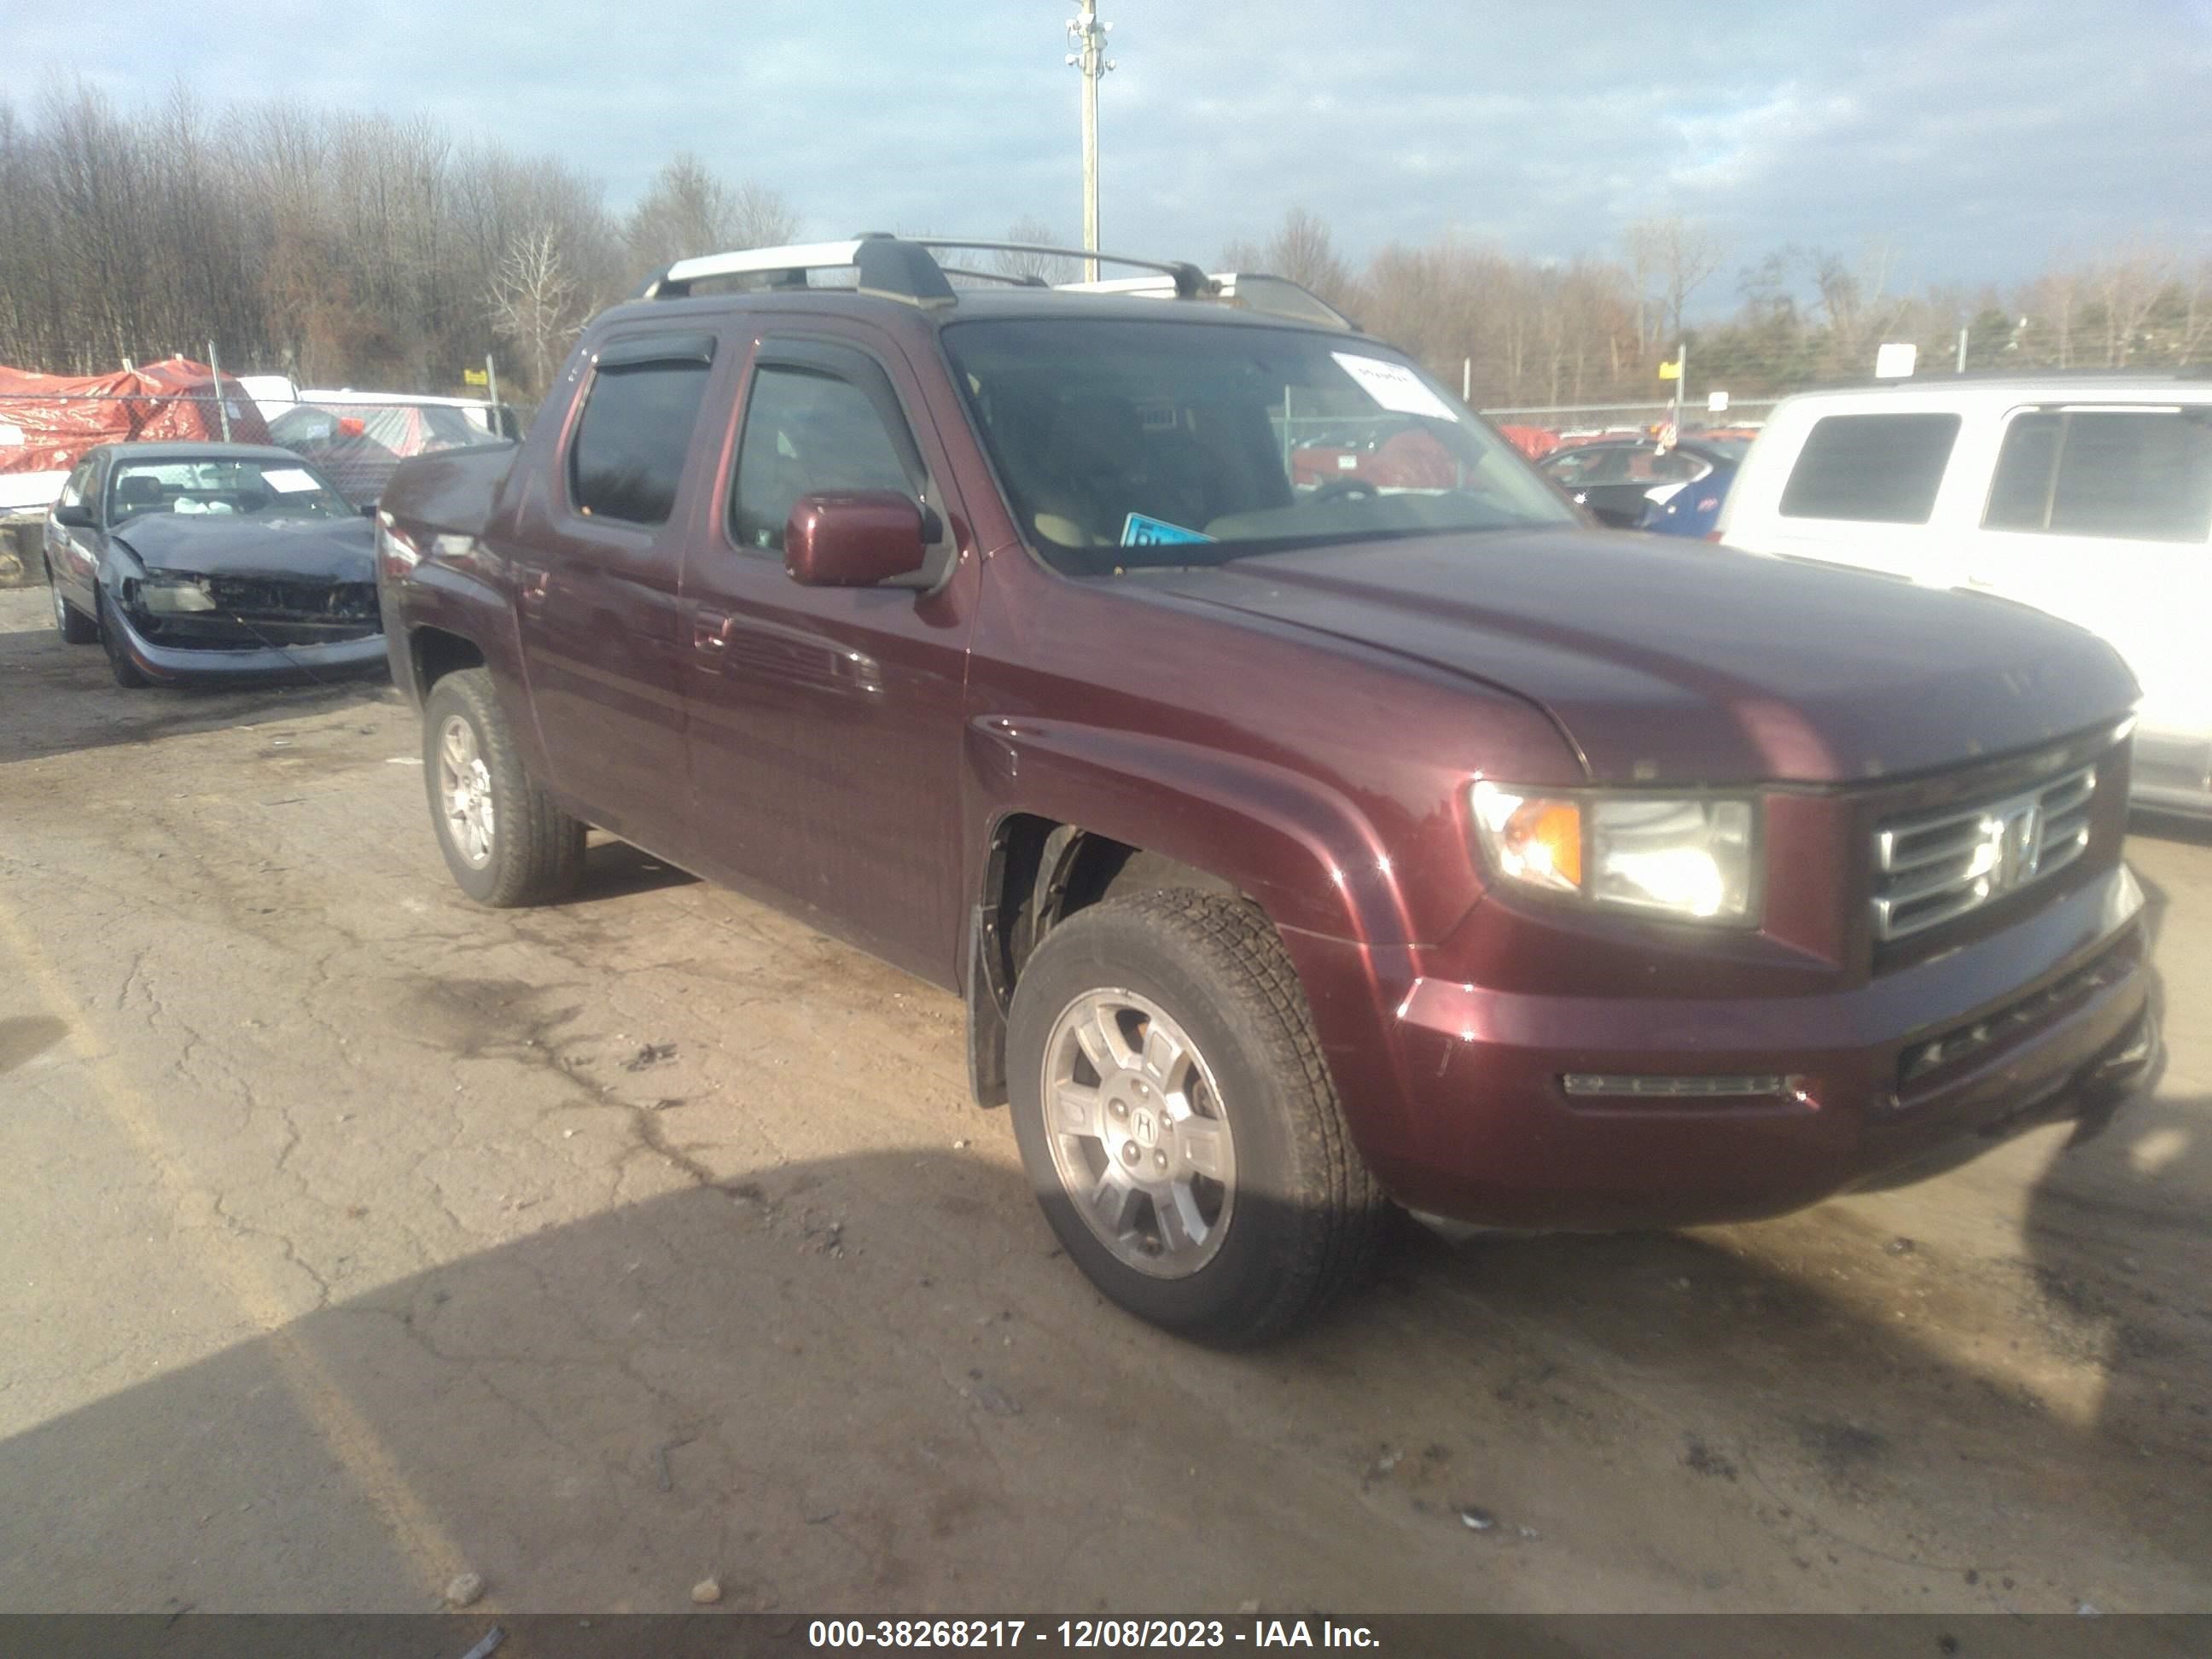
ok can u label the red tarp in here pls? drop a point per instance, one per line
(1533, 441)
(48, 420)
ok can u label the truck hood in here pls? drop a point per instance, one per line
(1665, 661)
(311, 549)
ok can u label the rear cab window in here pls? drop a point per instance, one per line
(626, 457)
(1871, 469)
(2130, 474)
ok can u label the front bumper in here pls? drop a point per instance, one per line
(179, 665)
(1461, 1111)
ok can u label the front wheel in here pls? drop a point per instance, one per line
(504, 841)
(1177, 1120)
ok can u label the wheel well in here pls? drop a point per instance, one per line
(1039, 873)
(438, 653)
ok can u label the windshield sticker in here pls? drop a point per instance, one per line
(1394, 385)
(288, 480)
(1138, 531)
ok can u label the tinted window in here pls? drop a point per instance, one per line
(2020, 495)
(628, 454)
(1876, 469)
(2145, 474)
(806, 432)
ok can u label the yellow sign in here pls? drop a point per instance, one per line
(1670, 371)
(474, 377)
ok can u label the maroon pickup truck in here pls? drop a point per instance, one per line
(1296, 848)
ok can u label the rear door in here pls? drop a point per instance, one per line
(825, 723)
(2102, 514)
(596, 579)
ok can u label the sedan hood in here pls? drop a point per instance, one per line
(1672, 662)
(312, 549)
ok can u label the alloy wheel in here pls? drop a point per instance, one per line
(1138, 1136)
(464, 791)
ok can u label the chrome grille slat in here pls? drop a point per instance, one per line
(1933, 869)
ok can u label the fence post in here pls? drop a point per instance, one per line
(491, 384)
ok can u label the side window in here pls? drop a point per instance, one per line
(805, 431)
(2020, 494)
(1873, 469)
(78, 482)
(628, 453)
(2141, 474)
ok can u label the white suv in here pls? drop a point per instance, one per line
(2089, 496)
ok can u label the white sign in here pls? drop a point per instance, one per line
(1394, 385)
(1716, 402)
(288, 480)
(1894, 361)
(11, 436)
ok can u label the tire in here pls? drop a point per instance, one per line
(529, 851)
(1295, 1218)
(127, 672)
(71, 623)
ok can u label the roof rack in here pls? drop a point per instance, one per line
(1250, 290)
(906, 269)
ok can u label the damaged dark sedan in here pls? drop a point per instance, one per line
(213, 561)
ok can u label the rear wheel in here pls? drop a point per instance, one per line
(127, 673)
(504, 841)
(71, 623)
(1177, 1122)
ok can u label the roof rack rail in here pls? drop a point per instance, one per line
(1249, 290)
(899, 268)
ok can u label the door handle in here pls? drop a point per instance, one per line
(530, 588)
(710, 632)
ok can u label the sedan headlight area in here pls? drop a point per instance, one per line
(163, 594)
(1689, 858)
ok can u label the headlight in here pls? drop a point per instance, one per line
(162, 593)
(1689, 858)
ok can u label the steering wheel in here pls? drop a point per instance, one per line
(1337, 490)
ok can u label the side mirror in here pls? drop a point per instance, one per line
(854, 538)
(75, 516)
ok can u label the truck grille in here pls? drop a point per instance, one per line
(1933, 868)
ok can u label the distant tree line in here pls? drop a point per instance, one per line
(374, 251)
(1525, 332)
(361, 249)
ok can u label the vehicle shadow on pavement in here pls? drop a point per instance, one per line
(614, 869)
(872, 1382)
(56, 699)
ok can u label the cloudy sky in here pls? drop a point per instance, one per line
(1980, 138)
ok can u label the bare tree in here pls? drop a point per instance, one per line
(1050, 268)
(533, 302)
(1670, 259)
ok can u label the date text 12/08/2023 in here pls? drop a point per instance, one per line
(1082, 1635)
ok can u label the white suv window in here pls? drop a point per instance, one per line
(1873, 469)
(2138, 474)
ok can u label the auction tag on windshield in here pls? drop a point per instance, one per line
(1138, 531)
(1394, 385)
(288, 480)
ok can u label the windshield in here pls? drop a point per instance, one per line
(223, 485)
(1128, 443)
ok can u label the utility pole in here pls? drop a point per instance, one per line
(1089, 35)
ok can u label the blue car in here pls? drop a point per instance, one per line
(1694, 507)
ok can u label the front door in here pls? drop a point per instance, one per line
(825, 723)
(596, 579)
